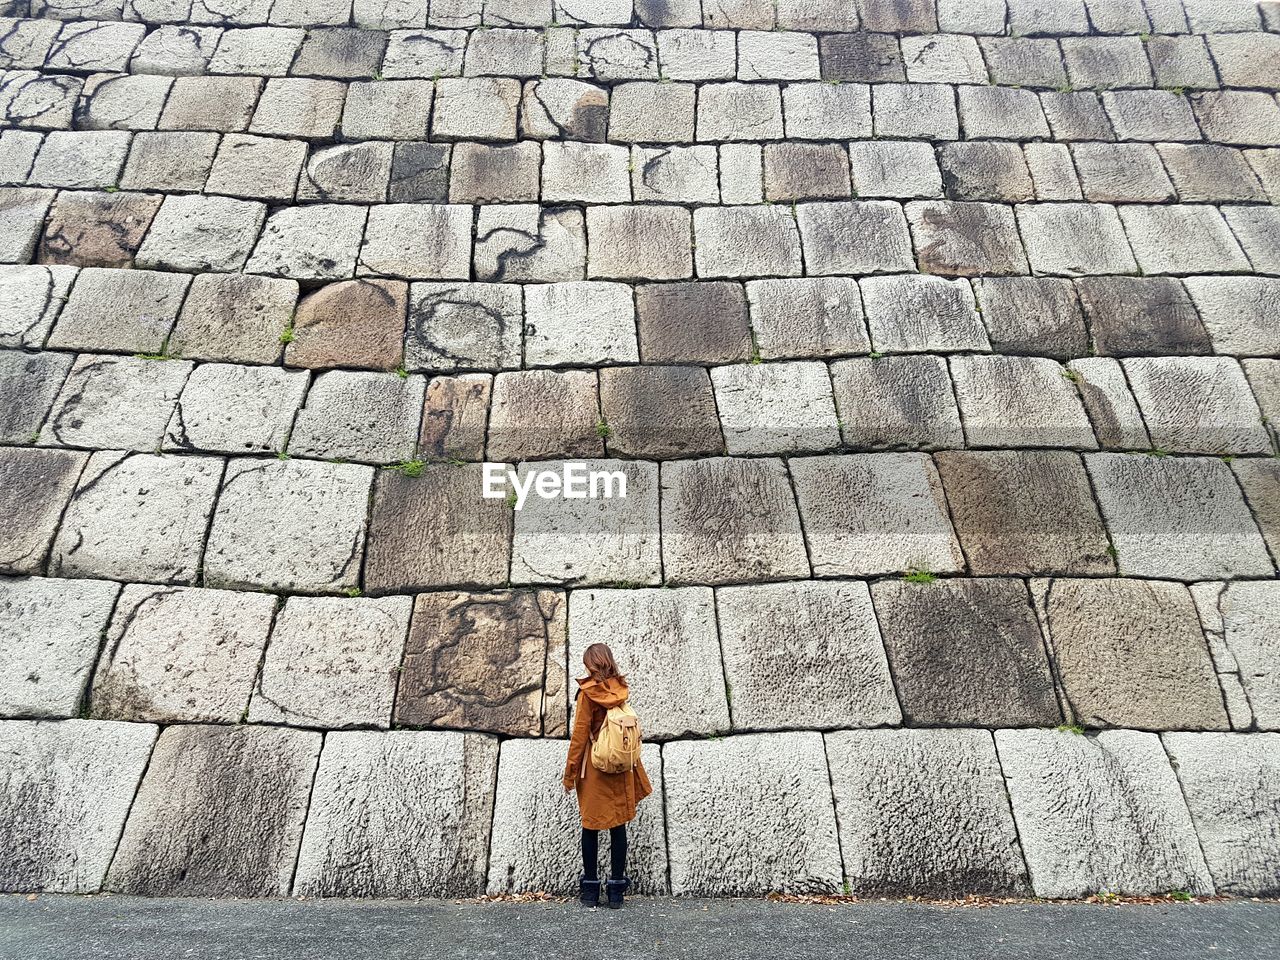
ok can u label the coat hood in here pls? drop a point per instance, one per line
(607, 694)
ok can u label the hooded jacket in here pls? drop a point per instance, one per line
(605, 800)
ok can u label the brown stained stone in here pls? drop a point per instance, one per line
(34, 488)
(92, 229)
(660, 412)
(1131, 654)
(1142, 316)
(966, 239)
(966, 653)
(543, 414)
(454, 417)
(693, 322)
(354, 323)
(1020, 512)
(436, 530)
(478, 661)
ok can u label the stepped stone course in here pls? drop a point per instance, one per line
(937, 342)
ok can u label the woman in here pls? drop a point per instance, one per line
(606, 801)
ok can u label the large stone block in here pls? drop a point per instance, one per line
(924, 811)
(1197, 405)
(30, 298)
(1100, 814)
(776, 407)
(34, 488)
(729, 520)
(65, 790)
(464, 326)
(219, 813)
(966, 653)
(1020, 512)
(660, 412)
(817, 317)
(874, 513)
(666, 641)
(1232, 786)
(896, 403)
(357, 415)
(117, 403)
(966, 239)
(537, 830)
(434, 529)
(29, 383)
(1144, 316)
(581, 322)
(181, 654)
(332, 662)
(403, 814)
(910, 313)
(291, 525)
(864, 236)
(1075, 239)
(1251, 629)
(50, 631)
(1180, 518)
(526, 242)
(97, 229)
(746, 242)
(138, 517)
(235, 318)
(804, 654)
(314, 242)
(699, 322)
(1033, 316)
(228, 408)
(125, 310)
(1019, 402)
(607, 538)
(486, 661)
(1130, 653)
(750, 815)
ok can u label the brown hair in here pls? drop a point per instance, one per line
(598, 659)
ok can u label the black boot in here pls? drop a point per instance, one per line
(615, 889)
(589, 893)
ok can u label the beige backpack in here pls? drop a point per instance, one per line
(617, 747)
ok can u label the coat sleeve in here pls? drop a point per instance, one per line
(578, 741)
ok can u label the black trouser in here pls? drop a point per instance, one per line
(617, 852)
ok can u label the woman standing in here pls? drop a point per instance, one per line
(606, 801)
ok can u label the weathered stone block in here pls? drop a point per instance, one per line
(817, 317)
(897, 521)
(235, 318)
(265, 168)
(362, 840)
(536, 828)
(50, 632)
(1100, 814)
(201, 234)
(120, 403)
(289, 525)
(219, 813)
(219, 104)
(257, 51)
(1178, 518)
(580, 322)
(435, 530)
(776, 407)
(1249, 616)
(34, 488)
(369, 417)
(30, 298)
(859, 237)
(894, 169)
(825, 111)
(417, 240)
(348, 173)
(485, 661)
(525, 242)
(1197, 405)
(896, 403)
(698, 322)
(332, 662)
(454, 417)
(641, 243)
(419, 171)
(804, 655)
(353, 323)
(542, 414)
(1075, 239)
(966, 239)
(695, 54)
(739, 111)
(298, 108)
(751, 814)
(924, 811)
(805, 171)
(387, 109)
(1020, 512)
(495, 172)
(476, 108)
(30, 382)
(864, 57)
(560, 107)
(92, 229)
(137, 517)
(314, 242)
(1182, 238)
(985, 171)
(668, 634)
(1232, 786)
(1034, 316)
(660, 412)
(1117, 422)
(120, 310)
(426, 53)
(464, 326)
(604, 539)
(1019, 402)
(910, 313)
(728, 520)
(181, 654)
(943, 59)
(67, 791)
(1001, 113)
(675, 174)
(966, 653)
(1130, 653)
(1141, 315)
(1242, 314)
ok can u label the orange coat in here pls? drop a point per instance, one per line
(604, 799)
